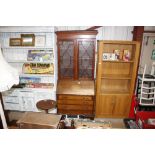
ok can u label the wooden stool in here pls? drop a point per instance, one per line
(46, 105)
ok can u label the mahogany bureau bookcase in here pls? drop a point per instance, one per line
(76, 61)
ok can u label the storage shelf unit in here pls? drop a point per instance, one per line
(115, 79)
(26, 98)
(147, 90)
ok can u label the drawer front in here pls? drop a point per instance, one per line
(75, 107)
(73, 97)
(75, 112)
(74, 102)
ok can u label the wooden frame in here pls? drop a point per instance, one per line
(76, 37)
(116, 79)
(15, 42)
(27, 39)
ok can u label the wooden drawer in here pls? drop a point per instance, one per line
(75, 112)
(74, 97)
(75, 107)
(74, 102)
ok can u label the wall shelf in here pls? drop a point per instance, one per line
(119, 61)
(27, 47)
(16, 56)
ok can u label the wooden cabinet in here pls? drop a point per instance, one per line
(76, 54)
(76, 61)
(75, 97)
(113, 105)
(116, 78)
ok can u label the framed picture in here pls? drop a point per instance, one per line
(118, 54)
(105, 56)
(15, 42)
(108, 56)
(126, 55)
(27, 39)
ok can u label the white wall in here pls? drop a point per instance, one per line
(115, 33)
(66, 28)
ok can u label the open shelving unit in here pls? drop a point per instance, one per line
(115, 79)
(25, 99)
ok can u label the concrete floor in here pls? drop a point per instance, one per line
(116, 123)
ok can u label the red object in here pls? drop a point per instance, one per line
(133, 105)
(142, 119)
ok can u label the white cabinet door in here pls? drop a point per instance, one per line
(26, 99)
(11, 100)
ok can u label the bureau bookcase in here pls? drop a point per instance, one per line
(116, 79)
(76, 61)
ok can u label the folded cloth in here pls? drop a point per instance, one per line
(8, 75)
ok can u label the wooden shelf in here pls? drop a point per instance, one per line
(116, 61)
(105, 91)
(117, 77)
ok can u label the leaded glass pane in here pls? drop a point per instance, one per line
(66, 58)
(86, 57)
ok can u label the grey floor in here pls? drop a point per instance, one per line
(116, 123)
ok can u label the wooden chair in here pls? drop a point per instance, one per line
(46, 105)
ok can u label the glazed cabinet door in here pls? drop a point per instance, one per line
(66, 59)
(86, 56)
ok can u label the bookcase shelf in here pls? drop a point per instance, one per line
(116, 79)
(114, 92)
(119, 77)
(117, 61)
